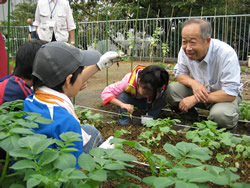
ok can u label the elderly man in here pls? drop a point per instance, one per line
(208, 73)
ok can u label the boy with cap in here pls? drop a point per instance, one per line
(58, 75)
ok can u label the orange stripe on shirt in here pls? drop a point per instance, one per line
(43, 96)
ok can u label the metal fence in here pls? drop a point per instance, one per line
(146, 37)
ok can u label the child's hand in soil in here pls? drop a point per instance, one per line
(128, 107)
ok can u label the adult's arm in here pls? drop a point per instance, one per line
(213, 97)
(37, 17)
(70, 24)
(72, 37)
(199, 90)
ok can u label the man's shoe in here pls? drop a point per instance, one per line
(191, 115)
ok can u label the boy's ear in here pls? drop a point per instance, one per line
(68, 78)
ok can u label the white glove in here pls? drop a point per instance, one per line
(108, 59)
(106, 144)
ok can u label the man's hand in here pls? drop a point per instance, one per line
(200, 92)
(108, 59)
(187, 103)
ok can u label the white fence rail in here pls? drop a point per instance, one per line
(145, 37)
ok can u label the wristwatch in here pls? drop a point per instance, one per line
(72, 42)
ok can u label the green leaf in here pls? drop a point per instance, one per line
(101, 161)
(48, 157)
(100, 175)
(190, 135)
(172, 150)
(43, 179)
(124, 157)
(68, 150)
(3, 135)
(21, 131)
(204, 132)
(23, 164)
(192, 162)
(30, 125)
(211, 124)
(215, 144)
(66, 172)
(41, 145)
(10, 143)
(97, 152)
(86, 162)
(216, 175)
(37, 118)
(70, 137)
(77, 175)
(185, 147)
(32, 182)
(240, 185)
(163, 182)
(236, 140)
(60, 143)
(165, 129)
(182, 184)
(149, 180)
(26, 153)
(114, 166)
(220, 158)
(199, 153)
(194, 175)
(65, 160)
(29, 141)
(18, 114)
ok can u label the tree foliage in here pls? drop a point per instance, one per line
(22, 12)
(128, 9)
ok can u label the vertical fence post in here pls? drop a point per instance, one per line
(107, 46)
(76, 38)
(135, 31)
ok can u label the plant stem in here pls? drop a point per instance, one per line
(150, 162)
(6, 164)
(11, 175)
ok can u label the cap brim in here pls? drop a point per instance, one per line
(90, 57)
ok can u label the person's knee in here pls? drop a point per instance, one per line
(224, 119)
(91, 130)
(169, 94)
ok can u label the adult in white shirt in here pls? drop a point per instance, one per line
(208, 75)
(54, 21)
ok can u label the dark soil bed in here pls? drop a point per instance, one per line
(109, 126)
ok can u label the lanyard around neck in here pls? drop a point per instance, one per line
(51, 11)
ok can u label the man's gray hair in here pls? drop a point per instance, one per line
(205, 27)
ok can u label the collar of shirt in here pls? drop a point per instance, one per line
(209, 57)
(52, 1)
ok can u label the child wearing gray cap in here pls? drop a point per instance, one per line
(59, 74)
